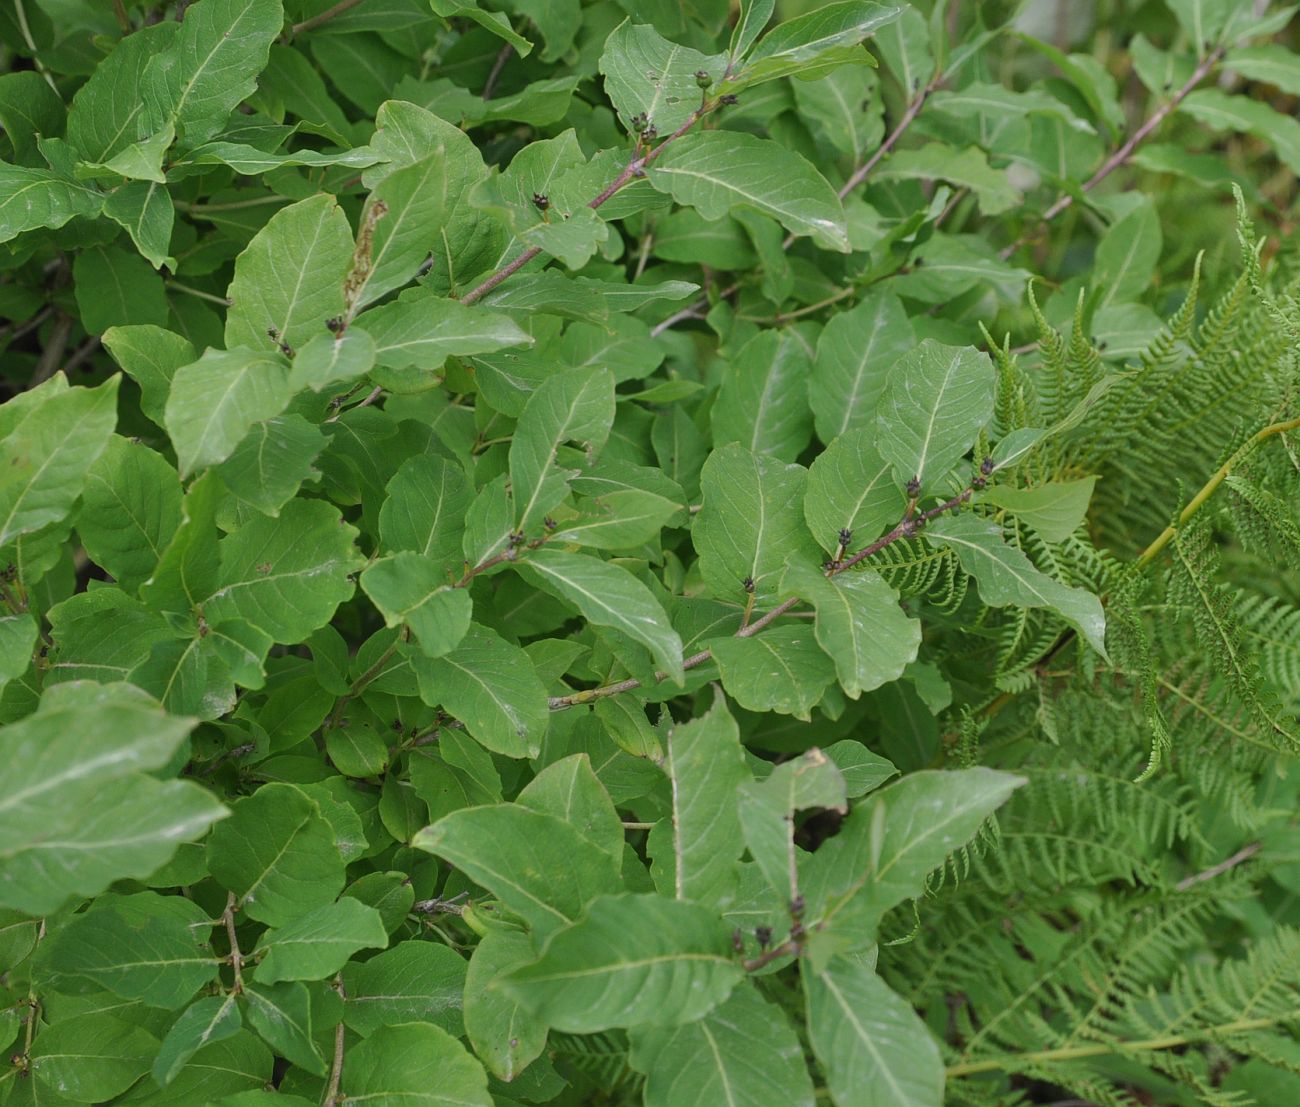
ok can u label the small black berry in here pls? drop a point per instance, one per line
(914, 487)
(729, 99)
(541, 201)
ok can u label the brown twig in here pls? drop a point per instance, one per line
(52, 353)
(905, 528)
(236, 957)
(332, 1096)
(503, 56)
(860, 174)
(1121, 156)
(632, 170)
(1243, 854)
(789, 948)
(324, 17)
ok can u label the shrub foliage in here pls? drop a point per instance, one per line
(648, 553)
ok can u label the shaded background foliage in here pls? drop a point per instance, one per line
(648, 553)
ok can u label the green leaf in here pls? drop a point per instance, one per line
(782, 670)
(763, 401)
(767, 809)
(1271, 64)
(1006, 576)
(798, 45)
(648, 76)
(631, 960)
(281, 1014)
(570, 790)
(576, 405)
(467, 241)
(91, 1058)
(1223, 112)
(754, 16)
(215, 401)
(277, 854)
(34, 198)
(1127, 255)
(76, 810)
(328, 360)
(855, 352)
(46, 450)
(286, 576)
(538, 866)
(108, 112)
(150, 356)
(744, 1053)
(145, 210)
(936, 401)
(130, 508)
(489, 685)
(861, 770)
(1055, 510)
(860, 625)
(17, 640)
(967, 168)
(116, 287)
(621, 518)
(210, 65)
(875, 1049)
(318, 944)
(206, 1020)
(416, 201)
(505, 1036)
(696, 849)
(416, 1065)
(746, 528)
(425, 510)
(608, 595)
(408, 588)
(996, 104)
(419, 332)
(145, 947)
(893, 840)
(717, 171)
(851, 487)
(289, 279)
(412, 982)
(272, 461)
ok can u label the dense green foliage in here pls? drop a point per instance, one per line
(628, 552)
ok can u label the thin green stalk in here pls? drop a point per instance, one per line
(1016, 1062)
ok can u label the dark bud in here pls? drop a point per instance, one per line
(918, 263)
(515, 540)
(549, 523)
(914, 487)
(764, 936)
(986, 467)
(918, 523)
(541, 202)
(729, 99)
(748, 584)
(737, 941)
(335, 324)
(845, 536)
(979, 483)
(797, 906)
(650, 133)
(703, 79)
